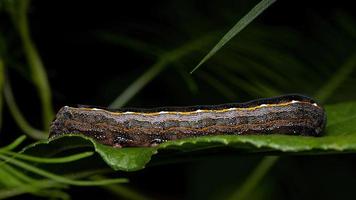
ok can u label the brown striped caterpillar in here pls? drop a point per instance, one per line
(288, 114)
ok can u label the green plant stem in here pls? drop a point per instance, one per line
(337, 79)
(17, 115)
(254, 178)
(37, 70)
(153, 71)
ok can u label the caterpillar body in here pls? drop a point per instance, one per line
(288, 114)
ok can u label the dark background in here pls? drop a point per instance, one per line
(84, 67)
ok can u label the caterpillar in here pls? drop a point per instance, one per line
(289, 114)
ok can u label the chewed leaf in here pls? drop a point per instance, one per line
(340, 137)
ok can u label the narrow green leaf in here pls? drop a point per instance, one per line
(37, 186)
(7, 179)
(16, 174)
(17, 181)
(17, 115)
(18, 12)
(33, 188)
(66, 159)
(248, 18)
(14, 144)
(59, 178)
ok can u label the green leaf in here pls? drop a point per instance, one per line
(248, 18)
(340, 137)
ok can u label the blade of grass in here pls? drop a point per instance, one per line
(18, 179)
(26, 188)
(337, 79)
(66, 159)
(46, 183)
(241, 24)
(18, 11)
(7, 179)
(14, 144)
(17, 115)
(254, 178)
(12, 178)
(25, 182)
(58, 178)
(16, 173)
(153, 71)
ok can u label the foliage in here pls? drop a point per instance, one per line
(263, 61)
